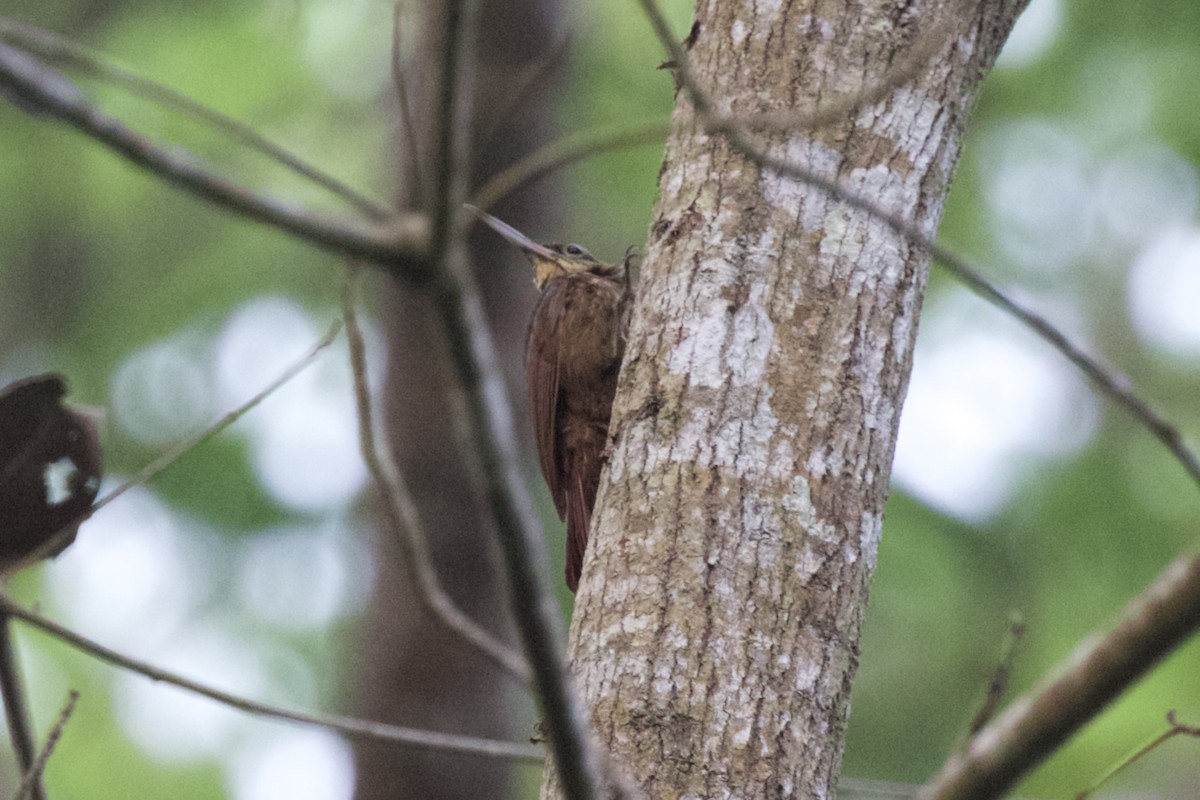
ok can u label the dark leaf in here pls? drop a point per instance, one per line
(50, 468)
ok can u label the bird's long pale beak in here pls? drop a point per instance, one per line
(514, 236)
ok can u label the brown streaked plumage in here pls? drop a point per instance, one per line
(573, 352)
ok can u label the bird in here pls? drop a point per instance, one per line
(573, 352)
(50, 468)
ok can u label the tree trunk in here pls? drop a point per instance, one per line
(716, 628)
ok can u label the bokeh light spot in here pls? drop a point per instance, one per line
(1037, 28)
(132, 576)
(304, 437)
(1164, 292)
(162, 393)
(1038, 188)
(1145, 190)
(177, 726)
(303, 578)
(982, 403)
(294, 765)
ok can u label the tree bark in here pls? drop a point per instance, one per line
(716, 628)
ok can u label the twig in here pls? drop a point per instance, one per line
(31, 778)
(1106, 664)
(350, 726)
(16, 708)
(1174, 729)
(458, 305)
(1114, 386)
(403, 517)
(400, 246)
(160, 464)
(998, 685)
(411, 141)
(562, 152)
(56, 48)
(452, 115)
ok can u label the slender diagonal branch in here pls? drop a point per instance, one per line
(16, 708)
(58, 49)
(1107, 663)
(1113, 385)
(1108, 383)
(408, 125)
(452, 154)
(563, 152)
(167, 459)
(1174, 728)
(33, 776)
(405, 520)
(350, 726)
(400, 246)
(522, 544)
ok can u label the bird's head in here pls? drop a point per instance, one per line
(549, 260)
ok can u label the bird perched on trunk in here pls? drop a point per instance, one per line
(573, 352)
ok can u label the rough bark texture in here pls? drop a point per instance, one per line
(717, 624)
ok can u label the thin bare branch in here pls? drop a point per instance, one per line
(1174, 728)
(563, 152)
(16, 708)
(400, 246)
(998, 685)
(31, 778)
(403, 517)
(412, 142)
(158, 465)
(350, 726)
(167, 459)
(452, 115)
(59, 50)
(1107, 382)
(1106, 664)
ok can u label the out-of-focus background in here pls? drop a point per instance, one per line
(252, 563)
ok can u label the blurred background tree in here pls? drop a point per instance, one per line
(253, 563)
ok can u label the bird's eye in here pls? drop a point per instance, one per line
(575, 250)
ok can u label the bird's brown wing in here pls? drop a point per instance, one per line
(543, 371)
(579, 517)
